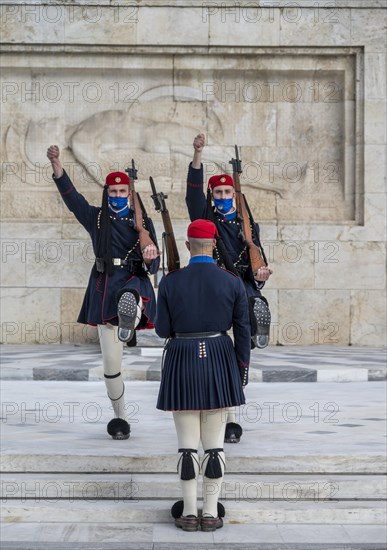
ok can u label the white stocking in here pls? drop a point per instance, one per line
(112, 350)
(187, 425)
(231, 414)
(212, 426)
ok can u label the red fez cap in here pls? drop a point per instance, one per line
(221, 179)
(117, 178)
(202, 229)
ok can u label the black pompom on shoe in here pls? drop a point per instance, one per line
(177, 509)
(221, 510)
(118, 428)
(233, 433)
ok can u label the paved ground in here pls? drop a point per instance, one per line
(54, 416)
(279, 419)
(273, 364)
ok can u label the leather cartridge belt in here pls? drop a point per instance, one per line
(134, 266)
(118, 261)
(199, 334)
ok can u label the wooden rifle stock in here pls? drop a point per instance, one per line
(255, 256)
(169, 241)
(143, 233)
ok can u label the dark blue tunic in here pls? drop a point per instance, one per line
(228, 230)
(205, 373)
(100, 301)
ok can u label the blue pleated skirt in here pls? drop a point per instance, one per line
(200, 374)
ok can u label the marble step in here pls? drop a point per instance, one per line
(164, 536)
(364, 463)
(158, 511)
(250, 488)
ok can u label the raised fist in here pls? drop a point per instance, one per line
(53, 152)
(199, 142)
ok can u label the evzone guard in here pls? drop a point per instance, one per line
(204, 371)
(233, 251)
(119, 297)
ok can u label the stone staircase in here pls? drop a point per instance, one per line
(317, 483)
(64, 491)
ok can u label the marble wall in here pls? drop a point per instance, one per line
(299, 86)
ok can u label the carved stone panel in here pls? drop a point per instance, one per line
(293, 116)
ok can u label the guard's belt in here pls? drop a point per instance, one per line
(134, 266)
(199, 334)
(118, 261)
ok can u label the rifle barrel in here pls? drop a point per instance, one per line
(152, 183)
(134, 171)
(238, 164)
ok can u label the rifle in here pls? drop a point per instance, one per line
(168, 237)
(138, 209)
(243, 213)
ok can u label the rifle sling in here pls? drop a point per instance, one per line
(224, 255)
(147, 224)
(254, 231)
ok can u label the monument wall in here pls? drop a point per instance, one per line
(299, 86)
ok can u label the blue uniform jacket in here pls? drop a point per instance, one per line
(100, 301)
(228, 230)
(202, 297)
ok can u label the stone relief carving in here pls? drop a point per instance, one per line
(157, 130)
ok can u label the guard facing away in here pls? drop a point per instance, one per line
(119, 297)
(204, 372)
(232, 251)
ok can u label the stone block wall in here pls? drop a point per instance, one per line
(299, 86)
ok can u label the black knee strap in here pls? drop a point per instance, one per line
(111, 376)
(213, 468)
(187, 464)
(123, 391)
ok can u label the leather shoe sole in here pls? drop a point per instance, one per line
(127, 313)
(188, 523)
(211, 524)
(263, 319)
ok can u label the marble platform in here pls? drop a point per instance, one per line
(309, 472)
(143, 362)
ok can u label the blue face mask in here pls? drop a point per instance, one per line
(223, 205)
(118, 203)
